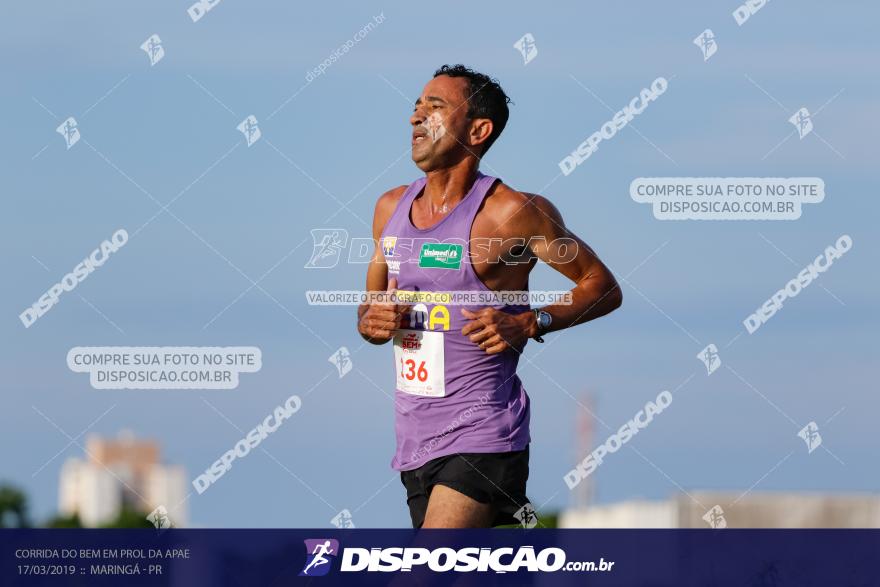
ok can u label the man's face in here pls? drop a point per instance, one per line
(440, 123)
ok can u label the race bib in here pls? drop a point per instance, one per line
(418, 355)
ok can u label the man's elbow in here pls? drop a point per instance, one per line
(614, 296)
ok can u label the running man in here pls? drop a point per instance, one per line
(320, 559)
(461, 413)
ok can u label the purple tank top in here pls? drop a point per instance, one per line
(450, 396)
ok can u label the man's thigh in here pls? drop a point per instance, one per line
(448, 508)
(472, 489)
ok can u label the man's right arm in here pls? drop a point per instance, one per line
(376, 321)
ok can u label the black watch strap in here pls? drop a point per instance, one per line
(537, 337)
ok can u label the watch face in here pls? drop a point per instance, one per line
(544, 319)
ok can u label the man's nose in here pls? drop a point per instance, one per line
(418, 116)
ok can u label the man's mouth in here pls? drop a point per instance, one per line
(419, 135)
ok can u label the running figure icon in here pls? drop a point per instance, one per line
(319, 558)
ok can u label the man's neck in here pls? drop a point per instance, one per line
(448, 186)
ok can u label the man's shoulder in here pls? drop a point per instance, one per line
(393, 195)
(388, 201)
(508, 204)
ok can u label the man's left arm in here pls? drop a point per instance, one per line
(595, 293)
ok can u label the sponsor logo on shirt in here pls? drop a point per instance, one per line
(388, 244)
(440, 256)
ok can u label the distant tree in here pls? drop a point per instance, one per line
(59, 521)
(548, 520)
(129, 518)
(13, 507)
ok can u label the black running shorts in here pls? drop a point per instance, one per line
(498, 479)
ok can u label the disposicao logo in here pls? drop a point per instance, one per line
(320, 554)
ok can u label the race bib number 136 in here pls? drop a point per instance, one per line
(418, 357)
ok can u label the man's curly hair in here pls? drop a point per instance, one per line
(485, 98)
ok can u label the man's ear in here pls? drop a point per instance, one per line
(481, 130)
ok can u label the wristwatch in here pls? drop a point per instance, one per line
(543, 320)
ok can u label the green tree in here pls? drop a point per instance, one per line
(59, 521)
(13, 507)
(129, 518)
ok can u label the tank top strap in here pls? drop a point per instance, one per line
(400, 216)
(462, 216)
(471, 204)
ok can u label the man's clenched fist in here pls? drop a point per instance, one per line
(379, 319)
(495, 331)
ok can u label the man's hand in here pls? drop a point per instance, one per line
(379, 319)
(496, 331)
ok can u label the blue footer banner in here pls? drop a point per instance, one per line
(650, 558)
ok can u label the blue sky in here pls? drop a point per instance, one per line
(154, 131)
